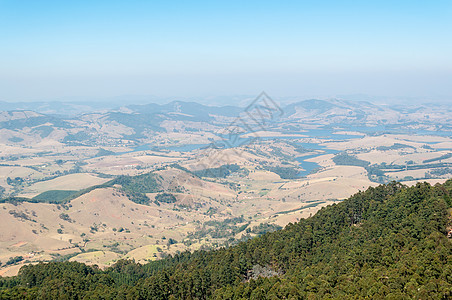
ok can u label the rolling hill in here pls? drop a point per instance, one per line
(390, 241)
(141, 123)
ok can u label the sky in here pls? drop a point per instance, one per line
(52, 50)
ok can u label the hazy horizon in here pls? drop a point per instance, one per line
(227, 100)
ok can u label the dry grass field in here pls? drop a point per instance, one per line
(104, 225)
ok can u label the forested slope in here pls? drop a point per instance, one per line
(389, 241)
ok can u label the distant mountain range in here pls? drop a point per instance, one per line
(136, 122)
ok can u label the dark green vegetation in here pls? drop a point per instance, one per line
(14, 260)
(348, 160)
(445, 156)
(15, 139)
(104, 152)
(136, 187)
(283, 172)
(145, 183)
(396, 146)
(229, 228)
(165, 198)
(437, 172)
(263, 228)
(77, 137)
(220, 172)
(15, 124)
(387, 242)
(43, 131)
(54, 196)
(14, 181)
(139, 122)
(16, 200)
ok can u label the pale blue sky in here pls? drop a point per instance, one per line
(95, 49)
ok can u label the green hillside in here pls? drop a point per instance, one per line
(54, 196)
(387, 242)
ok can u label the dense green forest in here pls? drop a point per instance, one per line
(220, 172)
(54, 196)
(165, 198)
(386, 242)
(344, 159)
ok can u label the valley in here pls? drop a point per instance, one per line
(143, 182)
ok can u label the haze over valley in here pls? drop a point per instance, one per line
(145, 181)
